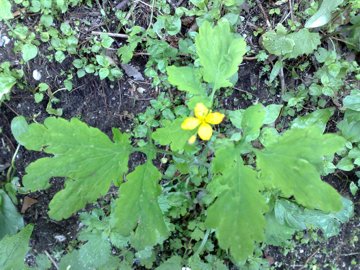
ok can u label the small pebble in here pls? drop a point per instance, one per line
(36, 75)
(60, 238)
(141, 90)
(4, 40)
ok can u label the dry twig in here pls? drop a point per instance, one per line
(264, 14)
(110, 34)
(51, 259)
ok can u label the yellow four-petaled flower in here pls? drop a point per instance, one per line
(203, 120)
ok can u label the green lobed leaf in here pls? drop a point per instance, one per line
(220, 52)
(292, 164)
(272, 112)
(293, 45)
(236, 117)
(318, 118)
(173, 135)
(298, 218)
(175, 262)
(5, 10)
(277, 42)
(276, 233)
(352, 101)
(10, 219)
(350, 126)
(138, 209)
(252, 120)
(237, 215)
(94, 254)
(84, 155)
(14, 248)
(323, 15)
(305, 42)
(186, 79)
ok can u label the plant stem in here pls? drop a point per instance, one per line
(212, 95)
(203, 242)
(9, 174)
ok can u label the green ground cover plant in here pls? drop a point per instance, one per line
(212, 187)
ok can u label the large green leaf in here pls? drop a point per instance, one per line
(237, 215)
(14, 248)
(350, 126)
(220, 52)
(277, 41)
(276, 233)
(305, 42)
(175, 262)
(298, 218)
(292, 164)
(95, 254)
(5, 10)
(318, 118)
(186, 79)
(10, 219)
(84, 155)
(138, 209)
(352, 101)
(323, 15)
(173, 135)
(288, 217)
(252, 120)
(293, 45)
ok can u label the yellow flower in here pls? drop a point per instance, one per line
(203, 120)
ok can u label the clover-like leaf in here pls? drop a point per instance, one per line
(5, 10)
(29, 51)
(237, 215)
(292, 164)
(138, 209)
(220, 52)
(84, 155)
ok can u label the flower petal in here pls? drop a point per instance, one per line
(205, 131)
(214, 118)
(201, 111)
(192, 139)
(190, 123)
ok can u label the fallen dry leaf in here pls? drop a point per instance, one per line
(27, 203)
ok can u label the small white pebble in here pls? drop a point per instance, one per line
(4, 40)
(141, 90)
(60, 238)
(36, 75)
